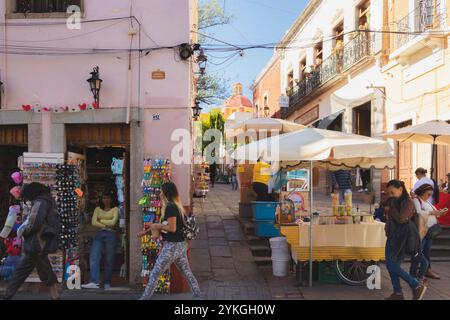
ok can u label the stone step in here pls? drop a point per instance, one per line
(260, 250)
(263, 261)
(440, 251)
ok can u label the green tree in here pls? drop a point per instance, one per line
(211, 88)
(214, 121)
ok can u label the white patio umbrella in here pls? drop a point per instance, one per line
(269, 124)
(434, 132)
(330, 149)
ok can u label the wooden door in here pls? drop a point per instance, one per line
(404, 159)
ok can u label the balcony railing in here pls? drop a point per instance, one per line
(337, 63)
(45, 6)
(428, 15)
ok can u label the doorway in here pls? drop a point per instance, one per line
(404, 158)
(362, 119)
(101, 145)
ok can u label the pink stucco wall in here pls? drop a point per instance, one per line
(59, 81)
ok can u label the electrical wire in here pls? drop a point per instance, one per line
(67, 38)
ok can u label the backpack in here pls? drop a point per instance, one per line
(191, 228)
(51, 232)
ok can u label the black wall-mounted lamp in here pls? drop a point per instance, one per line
(96, 84)
(196, 110)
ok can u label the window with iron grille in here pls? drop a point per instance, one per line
(45, 6)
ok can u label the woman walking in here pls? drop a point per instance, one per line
(429, 214)
(402, 239)
(174, 245)
(41, 236)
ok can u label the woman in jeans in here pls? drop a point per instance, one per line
(105, 218)
(174, 245)
(400, 209)
(429, 213)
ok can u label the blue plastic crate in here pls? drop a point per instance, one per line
(264, 211)
(266, 229)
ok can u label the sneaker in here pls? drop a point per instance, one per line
(419, 292)
(395, 296)
(90, 285)
(107, 287)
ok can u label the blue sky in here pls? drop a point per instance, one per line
(253, 22)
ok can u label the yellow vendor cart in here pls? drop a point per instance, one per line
(351, 247)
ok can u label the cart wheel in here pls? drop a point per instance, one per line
(353, 273)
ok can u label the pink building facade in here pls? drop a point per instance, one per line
(147, 91)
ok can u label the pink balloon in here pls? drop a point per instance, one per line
(17, 177)
(16, 192)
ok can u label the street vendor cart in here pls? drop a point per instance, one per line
(350, 245)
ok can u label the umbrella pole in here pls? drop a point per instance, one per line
(434, 160)
(310, 220)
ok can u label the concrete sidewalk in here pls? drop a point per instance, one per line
(224, 266)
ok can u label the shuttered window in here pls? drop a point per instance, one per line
(45, 6)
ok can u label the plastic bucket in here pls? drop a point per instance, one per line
(280, 268)
(278, 242)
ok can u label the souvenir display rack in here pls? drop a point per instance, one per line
(67, 177)
(42, 168)
(201, 178)
(156, 172)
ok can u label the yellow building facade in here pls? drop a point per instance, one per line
(416, 77)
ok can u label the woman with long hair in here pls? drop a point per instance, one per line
(428, 214)
(37, 240)
(105, 218)
(402, 239)
(174, 245)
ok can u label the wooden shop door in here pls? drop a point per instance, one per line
(404, 159)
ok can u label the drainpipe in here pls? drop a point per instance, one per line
(130, 80)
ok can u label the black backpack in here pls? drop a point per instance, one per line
(51, 231)
(190, 227)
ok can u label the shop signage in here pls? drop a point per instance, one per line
(309, 116)
(284, 102)
(158, 75)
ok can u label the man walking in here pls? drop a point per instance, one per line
(343, 179)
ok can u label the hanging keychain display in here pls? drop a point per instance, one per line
(156, 172)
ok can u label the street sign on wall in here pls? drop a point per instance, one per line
(284, 101)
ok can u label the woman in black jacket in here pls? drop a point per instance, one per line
(402, 239)
(36, 244)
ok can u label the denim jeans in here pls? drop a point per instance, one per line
(104, 242)
(396, 272)
(234, 183)
(423, 259)
(342, 193)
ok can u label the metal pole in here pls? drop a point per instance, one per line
(310, 220)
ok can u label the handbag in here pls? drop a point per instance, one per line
(434, 231)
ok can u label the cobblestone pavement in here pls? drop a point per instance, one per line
(224, 265)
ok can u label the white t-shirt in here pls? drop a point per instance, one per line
(425, 209)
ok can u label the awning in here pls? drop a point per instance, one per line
(327, 121)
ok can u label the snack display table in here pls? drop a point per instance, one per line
(347, 245)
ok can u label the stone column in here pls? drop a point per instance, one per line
(136, 175)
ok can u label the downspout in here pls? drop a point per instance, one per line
(130, 80)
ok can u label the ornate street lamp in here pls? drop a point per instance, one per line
(196, 110)
(202, 59)
(95, 83)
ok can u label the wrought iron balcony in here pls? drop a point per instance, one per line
(428, 15)
(44, 6)
(337, 63)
